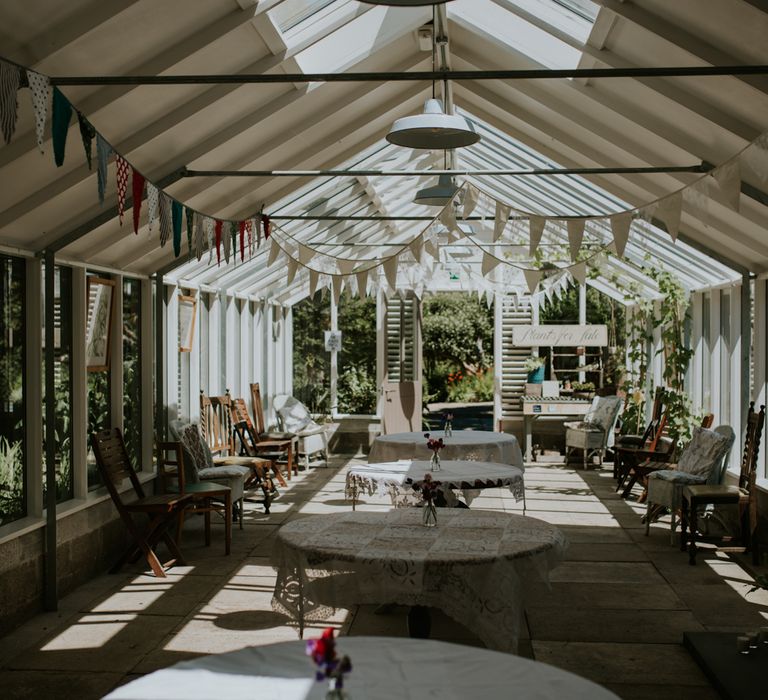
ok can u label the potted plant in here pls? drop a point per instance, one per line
(534, 365)
(583, 390)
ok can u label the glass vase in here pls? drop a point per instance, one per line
(430, 514)
(435, 462)
(448, 429)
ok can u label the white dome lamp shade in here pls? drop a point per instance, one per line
(433, 130)
(437, 195)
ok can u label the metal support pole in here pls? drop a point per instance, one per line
(159, 357)
(334, 360)
(583, 322)
(51, 586)
(746, 345)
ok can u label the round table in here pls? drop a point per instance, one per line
(402, 480)
(472, 445)
(476, 566)
(382, 668)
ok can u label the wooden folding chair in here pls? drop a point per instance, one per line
(253, 444)
(163, 511)
(206, 497)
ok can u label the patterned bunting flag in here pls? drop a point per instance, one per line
(122, 170)
(87, 134)
(40, 87)
(152, 202)
(61, 115)
(10, 77)
(177, 216)
(137, 190)
(166, 222)
(241, 226)
(103, 149)
(190, 228)
(217, 229)
(227, 241)
(209, 226)
(199, 237)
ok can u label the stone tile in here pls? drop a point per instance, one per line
(594, 535)
(604, 662)
(667, 692)
(606, 572)
(637, 596)
(727, 606)
(600, 625)
(584, 551)
(62, 685)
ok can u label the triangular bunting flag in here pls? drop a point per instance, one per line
(579, 272)
(305, 254)
(346, 266)
(362, 283)
(448, 216)
(728, 178)
(417, 249)
(536, 226)
(532, 278)
(336, 282)
(471, 197)
(620, 225)
(190, 215)
(177, 216)
(87, 134)
(274, 251)
(501, 219)
(166, 222)
(10, 78)
(575, 236)
(103, 149)
(137, 194)
(390, 271)
(257, 224)
(217, 225)
(669, 210)
(293, 266)
(489, 262)
(226, 235)
(266, 224)
(241, 227)
(61, 115)
(153, 198)
(122, 171)
(253, 233)
(314, 278)
(431, 248)
(199, 237)
(40, 87)
(209, 226)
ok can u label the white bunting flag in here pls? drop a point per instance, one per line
(293, 266)
(575, 236)
(40, 87)
(431, 248)
(448, 217)
(579, 272)
(489, 263)
(199, 236)
(471, 197)
(314, 278)
(274, 252)
(728, 178)
(208, 226)
(305, 254)
(362, 283)
(536, 226)
(500, 222)
(620, 225)
(153, 199)
(390, 271)
(336, 282)
(417, 249)
(346, 266)
(532, 278)
(669, 210)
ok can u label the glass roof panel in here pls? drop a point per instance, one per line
(291, 13)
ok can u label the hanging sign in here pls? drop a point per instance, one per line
(560, 336)
(332, 341)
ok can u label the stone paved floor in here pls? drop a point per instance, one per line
(615, 613)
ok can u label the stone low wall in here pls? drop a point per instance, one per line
(89, 541)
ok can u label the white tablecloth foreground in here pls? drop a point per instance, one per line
(383, 668)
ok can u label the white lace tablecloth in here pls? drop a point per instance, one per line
(402, 480)
(472, 445)
(383, 668)
(476, 566)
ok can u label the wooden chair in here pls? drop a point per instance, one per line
(216, 429)
(279, 450)
(206, 497)
(164, 510)
(743, 495)
(639, 441)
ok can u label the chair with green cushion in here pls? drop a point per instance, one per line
(206, 497)
(701, 462)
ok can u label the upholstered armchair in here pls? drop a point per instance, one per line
(702, 461)
(295, 418)
(591, 434)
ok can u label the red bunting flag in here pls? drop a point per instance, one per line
(242, 241)
(138, 195)
(266, 224)
(218, 241)
(123, 169)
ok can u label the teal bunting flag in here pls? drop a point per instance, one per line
(87, 133)
(177, 215)
(190, 225)
(60, 118)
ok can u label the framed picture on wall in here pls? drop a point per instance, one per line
(98, 330)
(187, 309)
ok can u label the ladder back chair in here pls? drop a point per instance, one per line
(279, 450)
(164, 510)
(206, 497)
(743, 495)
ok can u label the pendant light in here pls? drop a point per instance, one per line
(433, 130)
(437, 195)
